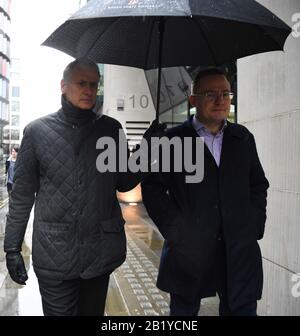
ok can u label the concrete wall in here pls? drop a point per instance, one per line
(269, 105)
(129, 84)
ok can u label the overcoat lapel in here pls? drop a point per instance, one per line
(231, 147)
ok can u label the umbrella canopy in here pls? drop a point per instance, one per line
(154, 33)
(196, 32)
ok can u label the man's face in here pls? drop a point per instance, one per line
(211, 110)
(81, 89)
(14, 153)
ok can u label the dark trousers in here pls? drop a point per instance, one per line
(181, 306)
(78, 297)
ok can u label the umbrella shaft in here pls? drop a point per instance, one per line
(161, 29)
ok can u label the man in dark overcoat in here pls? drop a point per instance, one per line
(211, 227)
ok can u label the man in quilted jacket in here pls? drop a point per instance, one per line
(78, 229)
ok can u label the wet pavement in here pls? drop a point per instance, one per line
(132, 290)
(136, 278)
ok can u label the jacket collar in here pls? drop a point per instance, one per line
(199, 127)
(74, 115)
(230, 129)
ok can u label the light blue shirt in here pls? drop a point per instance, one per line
(213, 141)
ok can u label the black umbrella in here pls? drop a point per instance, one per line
(154, 34)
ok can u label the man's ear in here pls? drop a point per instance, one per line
(63, 86)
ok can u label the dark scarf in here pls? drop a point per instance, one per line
(76, 115)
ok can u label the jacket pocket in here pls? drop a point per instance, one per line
(258, 218)
(112, 245)
(51, 246)
(171, 229)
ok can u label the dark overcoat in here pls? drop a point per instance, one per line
(78, 228)
(230, 201)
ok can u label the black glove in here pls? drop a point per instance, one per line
(156, 129)
(16, 267)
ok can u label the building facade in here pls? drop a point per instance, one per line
(269, 105)
(4, 70)
(12, 132)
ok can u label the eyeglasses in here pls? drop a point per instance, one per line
(214, 95)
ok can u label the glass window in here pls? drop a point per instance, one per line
(4, 89)
(5, 150)
(4, 111)
(15, 134)
(16, 91)
(15, 106)
(176, 115)
(14, 144)
(15, 120)
(6, 134)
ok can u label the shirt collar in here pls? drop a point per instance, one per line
(198, 126)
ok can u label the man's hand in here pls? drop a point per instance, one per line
(146, 153)
(16, 267)
(156, 129)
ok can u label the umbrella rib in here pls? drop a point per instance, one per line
(152, 96)
(165, 83)
(181, 75)
(263, 31)
(202, 31)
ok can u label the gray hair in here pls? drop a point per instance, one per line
(79, 62)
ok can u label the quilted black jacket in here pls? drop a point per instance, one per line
(78, 228)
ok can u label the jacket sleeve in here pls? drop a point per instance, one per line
(26, 184)
(258, 190)
(126, 180)
(161, 209)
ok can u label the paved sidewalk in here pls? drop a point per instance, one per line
(133, 288)
(136, 281)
